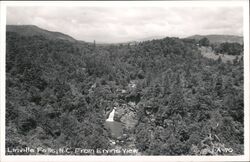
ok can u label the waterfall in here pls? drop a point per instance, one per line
(111, 115)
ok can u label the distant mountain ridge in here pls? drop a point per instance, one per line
(219, 38)
(32, 30)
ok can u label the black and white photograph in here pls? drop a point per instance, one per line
(121, 79)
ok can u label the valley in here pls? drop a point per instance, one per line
(166, 96)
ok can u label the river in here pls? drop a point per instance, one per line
(115, 127)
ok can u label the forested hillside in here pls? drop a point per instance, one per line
(32, 30)
(58, 94)
(219, 38)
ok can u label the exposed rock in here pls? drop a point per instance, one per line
(112, 142)
(129, 119)
(120, 111)
(132, 84)
(132, 104)
(125, 135)
(126, 105)
(126, 116)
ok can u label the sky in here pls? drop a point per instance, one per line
(113, 25)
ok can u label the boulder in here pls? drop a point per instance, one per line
(129, 120)
(125, 115)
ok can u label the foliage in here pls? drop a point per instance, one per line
(204, 42)
(58, 94)
(229, 48)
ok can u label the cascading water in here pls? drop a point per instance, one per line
(111, 115)
(114, 126)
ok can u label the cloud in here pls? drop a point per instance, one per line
(110, 24)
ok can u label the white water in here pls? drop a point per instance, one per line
(111, 115)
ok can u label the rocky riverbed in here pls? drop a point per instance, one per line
(124, 121)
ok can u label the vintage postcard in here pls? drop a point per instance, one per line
(125, 81)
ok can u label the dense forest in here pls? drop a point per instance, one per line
(58, 94)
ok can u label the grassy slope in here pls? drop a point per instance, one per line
(208, 53)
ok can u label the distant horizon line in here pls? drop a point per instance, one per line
(129, 41)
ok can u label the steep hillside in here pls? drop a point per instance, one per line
(32, 30)
(169, 99)
(219, 38)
